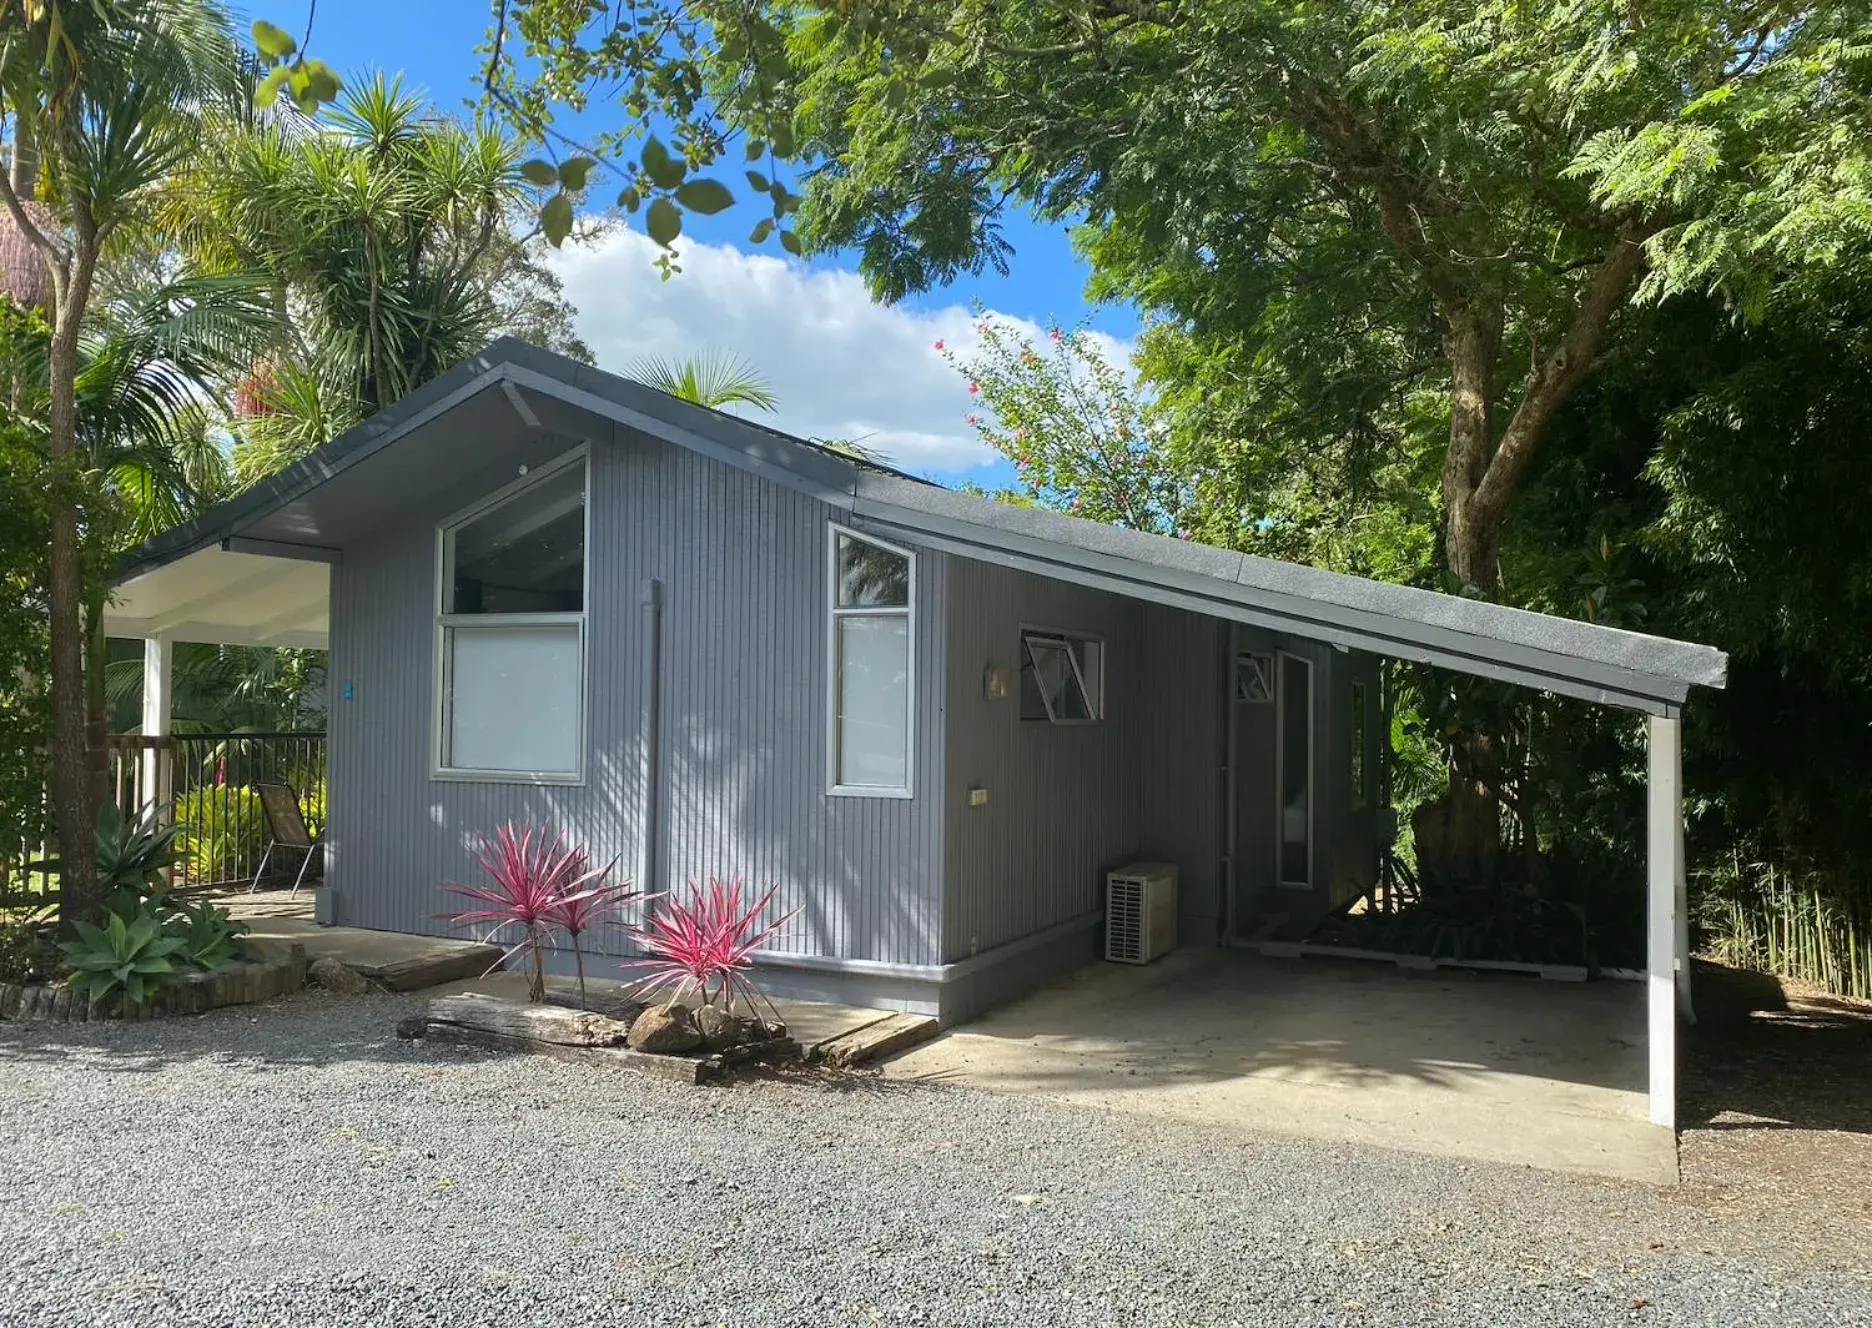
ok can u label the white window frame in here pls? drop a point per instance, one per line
(835, 613)
(1095, 697)
(446, 624)
(1280, 769)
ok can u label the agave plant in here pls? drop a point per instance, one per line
(576, 914)
(704, 943)
(209, 935)
(132, 954)
(534, 876)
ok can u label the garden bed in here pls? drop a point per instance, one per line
(599, 1038)
(267, 971)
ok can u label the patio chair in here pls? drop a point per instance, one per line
(286, 829)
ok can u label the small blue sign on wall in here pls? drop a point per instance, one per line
(350, 691)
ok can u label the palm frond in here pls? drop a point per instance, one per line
(714, 379)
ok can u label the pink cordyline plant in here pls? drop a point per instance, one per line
(703, 943)
(534, 876)
(579, 913)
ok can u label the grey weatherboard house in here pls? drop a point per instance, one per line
(935, 722)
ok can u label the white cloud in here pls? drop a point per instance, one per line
(841, 365)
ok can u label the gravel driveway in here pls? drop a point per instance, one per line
(297, 1165)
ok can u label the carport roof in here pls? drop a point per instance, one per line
(297, 515)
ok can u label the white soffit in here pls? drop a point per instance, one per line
(227, 598)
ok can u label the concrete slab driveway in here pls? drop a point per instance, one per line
(1494, 1067)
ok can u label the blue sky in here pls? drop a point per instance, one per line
(840, 365)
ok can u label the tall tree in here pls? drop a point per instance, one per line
(1509, 176)
(389, 232)
(102, 100)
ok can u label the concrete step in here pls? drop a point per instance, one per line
(396, 960)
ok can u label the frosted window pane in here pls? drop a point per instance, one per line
(873, 696)
(514, 703)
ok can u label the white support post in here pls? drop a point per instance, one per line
(1685, 1010)
(158, 698)
(1663, 880)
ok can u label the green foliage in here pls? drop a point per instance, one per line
(1081, 437)
(24, 659)
(133, 855)
(222, 831)
(309, 83)
(209, 935)
(29, 950)
(710, 378)
(719, 78)
(132, 955)
(387, 236)
(222, 689)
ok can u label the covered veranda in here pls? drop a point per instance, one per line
(232, 593)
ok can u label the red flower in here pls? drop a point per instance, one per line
(974, 419)
(1054, 336)
(974, 389)
(939, 344)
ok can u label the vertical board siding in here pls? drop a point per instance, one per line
(1183, 748)
(743, 714)
(1066, 803)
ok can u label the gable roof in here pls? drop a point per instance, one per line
(1573, 658)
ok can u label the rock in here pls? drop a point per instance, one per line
(339, 978)
(666, 1030)
(412, 1027)
(770, 1030)
(722, 1028)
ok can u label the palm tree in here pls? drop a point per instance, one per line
(106, 99)
(386, 229)
(710, 378)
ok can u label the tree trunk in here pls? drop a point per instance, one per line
(73, 812)
(1471, 540)
(97, 718)
(1458, 837)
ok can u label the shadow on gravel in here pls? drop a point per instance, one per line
(825, 1079)
(310, 1028)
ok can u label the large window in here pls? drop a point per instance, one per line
(510, 632)
(1062, 678)
(873, 632)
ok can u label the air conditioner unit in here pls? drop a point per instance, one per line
(1140, 912)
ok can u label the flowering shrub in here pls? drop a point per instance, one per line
(536, 882)
(703, 943)
(1082, 437)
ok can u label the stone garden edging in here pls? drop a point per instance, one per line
(270, 970)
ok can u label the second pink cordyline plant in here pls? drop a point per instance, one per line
(536, 883)
(704, 942)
